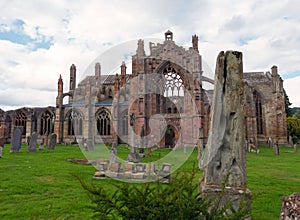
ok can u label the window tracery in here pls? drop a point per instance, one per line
(75, 120)
(20, 121)
(103, 122)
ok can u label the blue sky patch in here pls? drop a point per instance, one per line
(291, 75)
(15, 34)
(244, 40)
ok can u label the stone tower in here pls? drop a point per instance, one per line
(72, 82)
(98, 74)
(58, 126)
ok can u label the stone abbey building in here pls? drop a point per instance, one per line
(162, 99)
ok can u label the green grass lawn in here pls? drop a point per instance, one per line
(41, 185)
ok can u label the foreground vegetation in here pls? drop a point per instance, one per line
(42, 185)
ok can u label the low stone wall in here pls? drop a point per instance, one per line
(129, 171)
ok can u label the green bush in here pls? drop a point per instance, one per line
(177, 200)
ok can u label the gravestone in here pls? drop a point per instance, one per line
(46, 139)
(290, 141)
(225, 159)
(16, 141)
(113, 153)
(52, 141)
(276, 148)
(2, 139)
(32, 142)
(270, 142)
(200, 149)
(133, 156)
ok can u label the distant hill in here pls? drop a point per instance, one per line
(293, 110)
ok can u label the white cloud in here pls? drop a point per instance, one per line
(267, 34)
(292, 89)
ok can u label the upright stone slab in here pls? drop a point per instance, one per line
(2, 136)
(225, 159)
(16, 141)
(2, 139)
(46, 139)
(113, 153)
(32, 142)
(200, 149)
(52, 141)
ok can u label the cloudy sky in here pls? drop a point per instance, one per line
(41, 39)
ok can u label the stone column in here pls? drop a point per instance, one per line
(133, 156)
(225, 159)
(200, 149)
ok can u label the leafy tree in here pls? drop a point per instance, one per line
(297, 114)
(288, 110)
(293, 128)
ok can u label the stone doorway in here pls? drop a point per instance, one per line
(170, 137)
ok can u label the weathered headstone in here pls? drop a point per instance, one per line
(113, 153)
(32, 142)
(295, 148)
(276, 148)
(2, 139)
(46, 138)
(52, 141)
(133, 156)
(16, 140)
(225, 159)
(290, 141)
(270, 142)
(200, 149)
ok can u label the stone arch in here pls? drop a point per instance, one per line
(8, 124)
(124, 123)
(171, 136)
(74, 118)
(174, 85)
(183, 73)
(258, 112)
(103, 122)
(20, 120)
(45, 123)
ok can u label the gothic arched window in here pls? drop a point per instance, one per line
(20, 121)
(103, 122)
(46, 121)
(173, 83)
(173, 91)
(124, 123)
(259, 113)
(75, 120)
